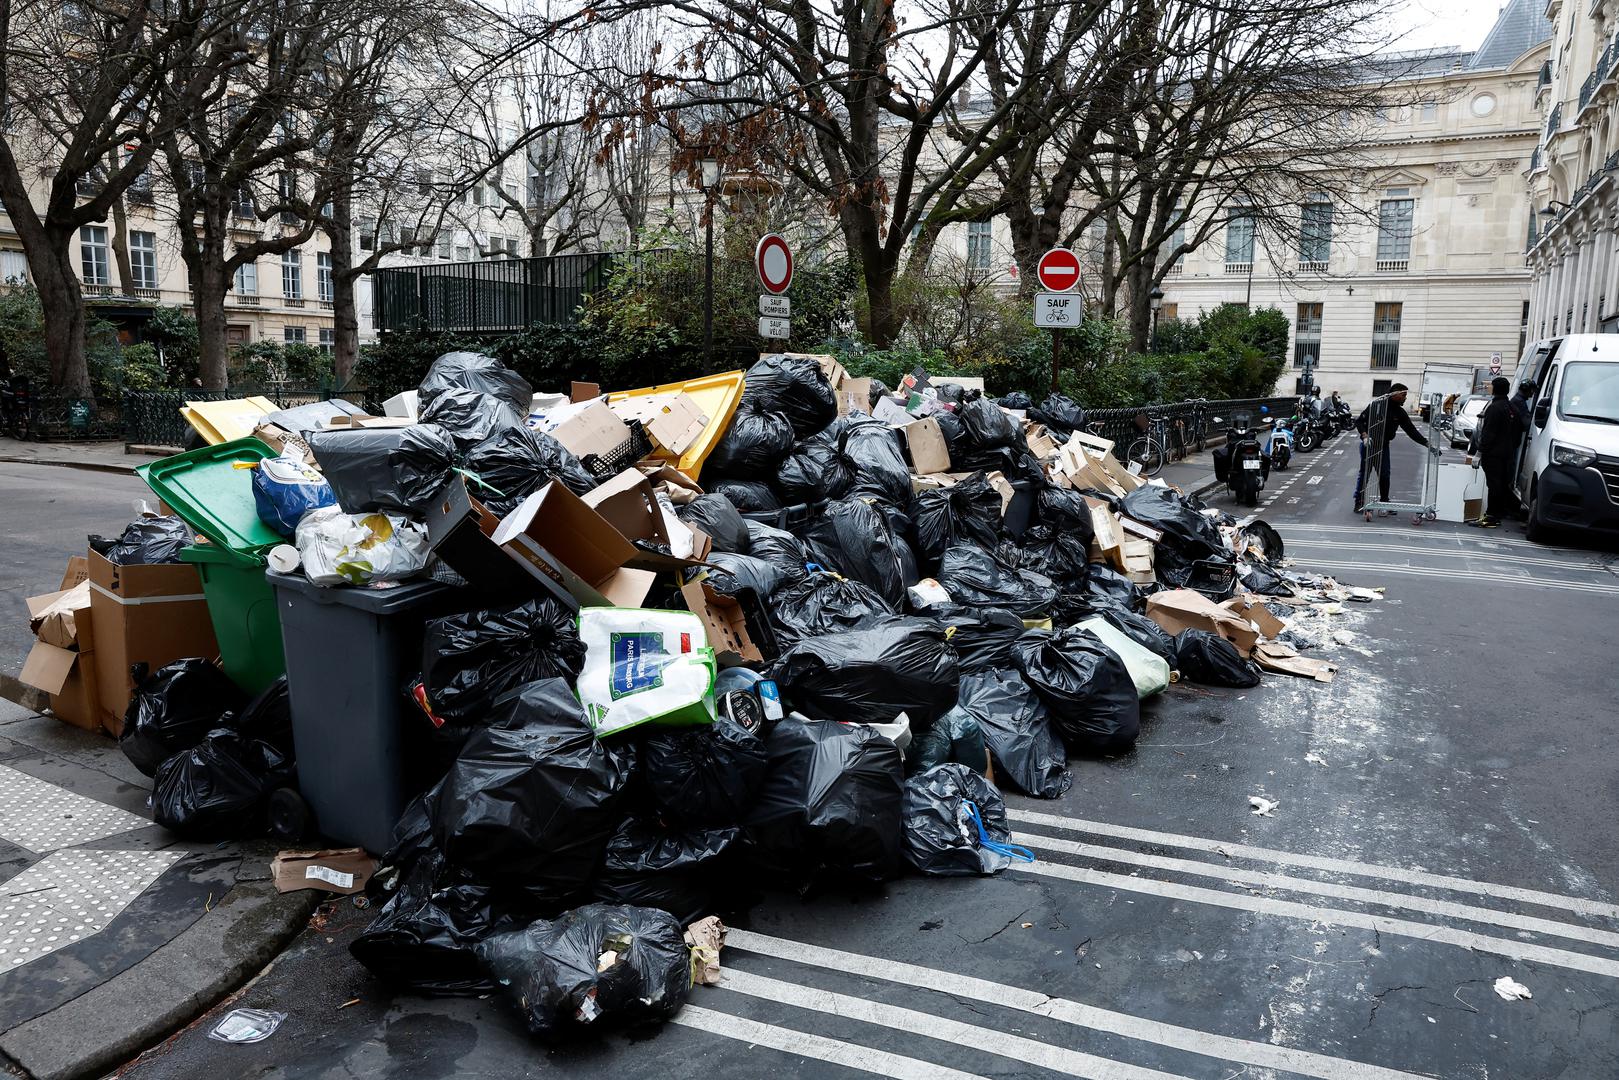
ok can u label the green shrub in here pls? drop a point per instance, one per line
(141, 368)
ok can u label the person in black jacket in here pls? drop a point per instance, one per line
(1499, 432)
(1396, 419)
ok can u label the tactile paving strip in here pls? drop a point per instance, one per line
(70, 895)
(40, 816)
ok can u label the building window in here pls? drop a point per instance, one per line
(143, 259)
(1430, 111)
(1386, 336)
(368, 234)
(93, 254)
(1169, 311)
(243, 203)
(978, 244)
(1315, 234)
(463, 253)
(294, 335)
(1239, 241)
(1394, 233)
(13, 267)
(1172, 249)
(90, 184)
(1381, 386)
(323, 277)
(292, 275)
(1523, 328)
(247, 279)
(328, 340)
(443, 248)
(1307, 336)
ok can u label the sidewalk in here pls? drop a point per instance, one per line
(1194, 474)
(100, 456)
(113, 934)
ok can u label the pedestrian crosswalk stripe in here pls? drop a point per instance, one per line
(1015, 1047)
(1444, 553)
(967, 987)
(1405, 875)
(1270, 880)
(834, 1051)
(1476, 576)
(1469, 536)
(1264, 905)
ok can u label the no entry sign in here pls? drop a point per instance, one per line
(1058, 270)
(774, 261)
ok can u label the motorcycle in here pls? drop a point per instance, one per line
(1245, 464)
(1341, 416)
(1279, 445)
(1306, 435)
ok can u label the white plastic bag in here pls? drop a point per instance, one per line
(1148, 670)
(338, 548)
(645, 666)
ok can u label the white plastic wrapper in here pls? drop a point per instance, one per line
(645, 666)
(356, 549)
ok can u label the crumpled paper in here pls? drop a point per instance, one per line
(705, 937)
(338, 548)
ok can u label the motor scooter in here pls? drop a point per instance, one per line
(1246, 466)
(1279, 444)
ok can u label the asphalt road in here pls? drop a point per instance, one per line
(1442, 821)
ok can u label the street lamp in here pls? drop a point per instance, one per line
(1155, 300)
(711, 183)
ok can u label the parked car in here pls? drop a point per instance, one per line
(1465, 420)
(1568, 474)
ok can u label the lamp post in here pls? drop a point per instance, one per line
(1155, 300)
(711, 183)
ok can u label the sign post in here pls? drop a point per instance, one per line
(773, 259)
(1058, 274)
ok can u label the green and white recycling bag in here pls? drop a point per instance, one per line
(645, 666)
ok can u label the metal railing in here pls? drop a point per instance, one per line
(1554, 122)
(493, 296)
(1239, 267)
(1396, 266)
(152, 417)
(1197, 417)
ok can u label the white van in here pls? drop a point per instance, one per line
(1568, 477)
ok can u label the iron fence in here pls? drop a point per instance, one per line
(152, 417)
(1197, 421)
(493, 296)
(48, 415)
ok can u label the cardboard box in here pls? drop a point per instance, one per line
(402, 404)
(1254, 610)
(278, 438)
(627, 502)
(459, 528)
(1107, 538)
(349, 423)
(1040, 442)
(1183, 609)
(591, 429)
(1138, 561)
(334, 870)
(61, 660)
(891, 412)
(1140, 528)
(725, 622)
(150, 615)
(674, 421)
(1283, 658)
(584, 391)
(854, 395)
(925, 438)
(572, 551)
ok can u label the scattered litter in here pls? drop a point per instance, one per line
(1262, 806)
(1027, 925)
(350, 1001)
(1316, 759)
(1510, 990)
(246, 1026)
(705, 938)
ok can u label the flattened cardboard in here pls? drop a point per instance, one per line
(278, 438)
(628, 504)
(53, 617)
(572, 551)
(680, 488)
(348, 423)
(47, 667)
(929, 453)
(931, 481)
(459, 528)
(334, 870)
(673, 421)
(1140, 528)
(1184, 609)
(1107, 538)
(1282, 658)
(593, 429)
(150, 615)
(891, 412)
(725, 622)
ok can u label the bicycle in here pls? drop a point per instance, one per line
(1147, 452)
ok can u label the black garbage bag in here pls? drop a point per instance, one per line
(964, 513)
(1017, 728)
(871, 457)
(831, 805)
(173, 708)
(955, 737)
(852, 538)
(812, 471)
(974, 578)
(955, 438)
(715, 517)
(514, 463)
(982, 637)
(794, 386)
(729, 574)
(987, 425)
(1257, 577)
(472, 659)
(596, 966)
(1085, 685)
(385, 468)
(1061, 414)
(754, 446)
(687, 872)
(470, 416)
(1018, 400)
(1142, 630)
(744, 494)
(1064, 509)
(533, 798)
(1111, 587)
(704, 776)
(778, 547)
(824, 603)
(870, 676)
(1062, 556)
(878, 391)
(1207, 658)
(268, 716)
(219, 789)
(955, 824)
(474, 371)
(1187, 533)
(147, 541)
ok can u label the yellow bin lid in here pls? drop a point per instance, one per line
(716, 395)
(226, 421)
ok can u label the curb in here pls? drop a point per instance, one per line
(88, 466)
(30, 698)
(166, 990)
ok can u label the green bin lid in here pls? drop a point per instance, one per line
(213, 497)
(210, 553)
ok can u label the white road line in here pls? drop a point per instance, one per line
(1264, 905)
(802, 1043)
(1477, 577)
(1576, 904)
(1270, 880)
(1293, 500)
(1015, 1047)
(1446, 553)
(1316, 479)
(1335, 453)
(1071, 1012)
(1472, 536)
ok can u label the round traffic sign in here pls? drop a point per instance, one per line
(774, 261)
(1058, 270)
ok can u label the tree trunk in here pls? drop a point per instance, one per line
(62, 303)
(884, 325)
(120, 248)
(208, 288)
(1140, 307)
(345, 313)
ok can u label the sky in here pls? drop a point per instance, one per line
(1426, 24)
